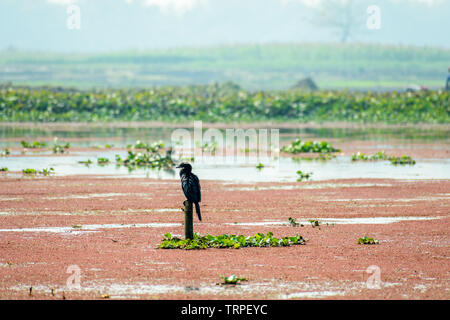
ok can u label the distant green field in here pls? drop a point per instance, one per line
(268, 67)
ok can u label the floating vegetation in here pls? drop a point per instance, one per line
(86, 162)
(47, 172)
(102, 161)
(44, 172)
(60, 148)
(232, 280)
(293, 222)
(367, 240)
(210, 147)
(303, 176)
(314, 223)
(217, 103)
(33, 145)
(402, 160)
(229, 241)
(381, 155)
(259, 166)
(375, 157)
(29, 171)
(299, 146)
(5, 153)
(152, 157)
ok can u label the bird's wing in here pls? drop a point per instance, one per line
(197, 187)
(191, 187)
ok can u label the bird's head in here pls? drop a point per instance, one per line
(185, 167)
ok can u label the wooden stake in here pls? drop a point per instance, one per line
(188, 220)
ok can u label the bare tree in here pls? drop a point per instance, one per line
(343, 16)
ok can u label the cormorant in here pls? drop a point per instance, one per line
(191, 186)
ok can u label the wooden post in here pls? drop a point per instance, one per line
(188, 220)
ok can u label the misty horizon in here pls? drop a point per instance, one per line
(117, 26)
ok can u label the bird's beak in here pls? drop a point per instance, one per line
(178, 167)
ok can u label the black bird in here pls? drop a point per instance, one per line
(191, 186)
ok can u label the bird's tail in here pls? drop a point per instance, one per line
(197, 209)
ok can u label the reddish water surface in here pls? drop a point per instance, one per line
(124, 219)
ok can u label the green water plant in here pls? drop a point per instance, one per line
(5, 153)
(33, 145)
(152, 157)
(44, 172)
(232, 280)
(315, 223)
(4, 169)
(403, 160)
(299, 146)
(210, 147)
(228, 241)
(217, 103)
(102, 161)
(47, 172)
(259, 166)
(60, 148)
(303, 176)
(293, 222)
(86, 162)
(29, 171)
(367, 240)
(381, 155)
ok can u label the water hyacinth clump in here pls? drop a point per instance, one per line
(303, 176)
(229, 241)
(33, 145)
(402, 160)
(60, 148)
(218, 103)
(232, 280)
(367, 240)
(299, 146)
(44, 172)
(5, 153)
(151, 157)
(381, 155)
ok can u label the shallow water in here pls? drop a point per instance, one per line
(227, 168)
(280, 170)
(92, 227)
(273, 289)
(371, 220)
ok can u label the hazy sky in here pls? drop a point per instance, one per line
(142, 24)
